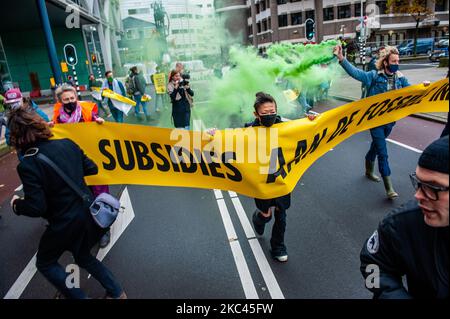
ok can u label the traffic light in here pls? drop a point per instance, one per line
(94, 58)
(70, 54)
(309, 29)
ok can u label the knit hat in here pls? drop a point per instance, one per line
(435, 156)
(13, 96)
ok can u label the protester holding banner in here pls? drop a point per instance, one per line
(116, 86)
(266, 115)
(181, 108)
(70, 224)
(70, 110)
(92, 86)
(385, 78)
(413, 240)
(138, 92)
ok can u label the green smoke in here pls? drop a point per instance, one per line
(287, 66)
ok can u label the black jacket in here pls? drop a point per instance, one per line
(283, 202)
(46, 194)
(404, 245)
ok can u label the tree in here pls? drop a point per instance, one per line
(417, 9)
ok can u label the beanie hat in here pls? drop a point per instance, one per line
(435, 156)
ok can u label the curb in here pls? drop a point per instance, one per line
(425, 116)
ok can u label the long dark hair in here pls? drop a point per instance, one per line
(27, 127)
(172, 74)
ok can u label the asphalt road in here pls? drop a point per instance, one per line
(182, 244)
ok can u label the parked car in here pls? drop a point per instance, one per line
(424, 46)
(441, 50)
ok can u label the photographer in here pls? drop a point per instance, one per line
(181, 98)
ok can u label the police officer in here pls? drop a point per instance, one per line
(413, 241)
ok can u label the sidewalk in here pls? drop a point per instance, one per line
(348, 89)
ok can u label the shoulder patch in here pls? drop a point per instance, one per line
(373, 243)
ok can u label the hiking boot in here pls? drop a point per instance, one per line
(370, 171)
(390, 192)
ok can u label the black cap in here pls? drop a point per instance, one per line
(435, 156)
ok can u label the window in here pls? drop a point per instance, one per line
(209, 5)
(378, 40)
(328, 14)
(263, 6)
(296, 18)
(257, 8)
(264, 25)
(344, 12)
(309, 14)
(259, 26)
(358, 9)
(439, 5)
(132, 34)
(383, 7)
(281, 1)
(282, 20)
(200, 5)
(393, 39)
(138, 11)
(386, 39)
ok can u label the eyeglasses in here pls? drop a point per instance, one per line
(430, 191)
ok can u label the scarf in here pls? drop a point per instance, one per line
(74, 117)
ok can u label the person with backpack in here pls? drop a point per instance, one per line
(136, 89)
(116, 86)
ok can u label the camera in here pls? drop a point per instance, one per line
(186, 77)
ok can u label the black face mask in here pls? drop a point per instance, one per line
(71, 106)
(267, 120)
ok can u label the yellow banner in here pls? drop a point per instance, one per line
(159, 80)
(256, 161)
(115, 96)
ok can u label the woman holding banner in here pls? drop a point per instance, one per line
(387, 77)
(70, 224)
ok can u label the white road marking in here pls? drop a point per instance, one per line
(239, 259)
(117, 229)
(405, 146)
(248, 229)
(218, 194)
(266, 271)
(22, 281)
(229, 228)
(123, 220)
(244, 272)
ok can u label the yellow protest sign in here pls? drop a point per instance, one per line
(256, 161)
(159, 80)
(291, 95)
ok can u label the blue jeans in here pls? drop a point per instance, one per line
(137, 99)
(378, 148)
(117, 114)
(51, 248)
